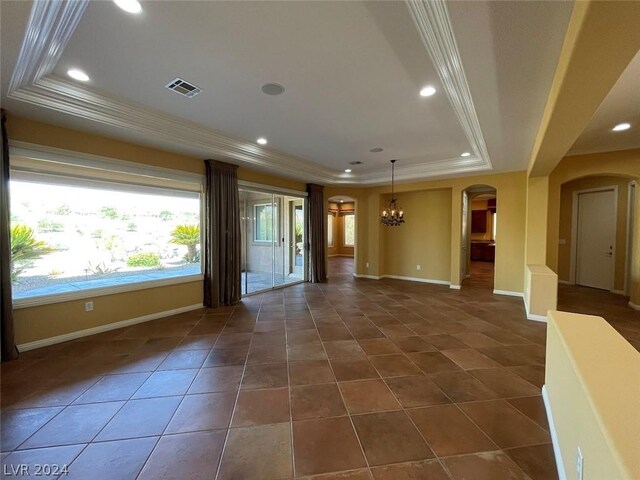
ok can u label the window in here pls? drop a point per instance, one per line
(349, 230)
(494, 225)
(330, 229)
(264, 215)
(72, 234)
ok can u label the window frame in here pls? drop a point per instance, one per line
(159, 178)
(275, 231)
(344, 230)
(330, 224)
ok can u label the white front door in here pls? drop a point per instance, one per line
(595, 239)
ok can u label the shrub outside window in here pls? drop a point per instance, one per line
(71, 235)
(349, 230)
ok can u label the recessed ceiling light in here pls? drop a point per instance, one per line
(129, 6)
(78, 74)
(427, 91)
(341, 201)
(465, 154)
(621, 127)
(272, 89)
(376, 150)
(262, 141)
(348, 170)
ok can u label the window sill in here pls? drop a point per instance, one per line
(102, 291)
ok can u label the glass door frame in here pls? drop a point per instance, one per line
(248, 216)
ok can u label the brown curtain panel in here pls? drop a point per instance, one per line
(317, 233)
(9, 351)
(222, 275)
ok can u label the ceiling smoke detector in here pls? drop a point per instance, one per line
(272, 89)
(357, 162)
(183, 87)
(376, 150)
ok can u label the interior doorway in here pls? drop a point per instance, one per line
(595, 226)
(341, 235)
(478, 239)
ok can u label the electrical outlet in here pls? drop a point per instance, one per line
(418, 267)
(579, 464)
(367, 264)
(562, 241)
(88, 306)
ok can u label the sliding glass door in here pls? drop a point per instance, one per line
(273, 239)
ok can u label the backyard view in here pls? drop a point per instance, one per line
(68, 238)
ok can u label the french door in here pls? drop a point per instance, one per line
(274, 238)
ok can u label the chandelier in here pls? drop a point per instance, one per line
(393, 215)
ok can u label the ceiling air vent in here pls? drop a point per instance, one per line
(183, 88)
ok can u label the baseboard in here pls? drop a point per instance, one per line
(45, 342)
(532, 316)
(340, 255)
(618, 292)
(536, 318)
(408, 279)
(454, 287)
(554, 435)
(634, 306)
(417, 279)
(508, 293)
(370, 277)
(565, 282)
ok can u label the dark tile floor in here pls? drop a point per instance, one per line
(354, 379)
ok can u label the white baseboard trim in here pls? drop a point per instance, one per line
(370, 277)
(45, 342)
(408, 279)
(554, 435)
(634, 306)
(454, 287)
(618, 292)
(508, 293)
(536, 318)
(533, 316)
(417, 279)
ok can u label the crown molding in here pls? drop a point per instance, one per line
(49, 29)
(431, 18)
(52, 24)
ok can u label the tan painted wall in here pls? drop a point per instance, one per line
(37, 323)
(594, 402)
(624, 163)
(566, 209)
(424, 239)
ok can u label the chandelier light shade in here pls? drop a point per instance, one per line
(392, 216)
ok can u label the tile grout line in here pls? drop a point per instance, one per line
(244, 369)
(355, 432)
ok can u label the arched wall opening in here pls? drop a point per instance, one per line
(341, 235)
(478, 228)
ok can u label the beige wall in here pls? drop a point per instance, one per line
(37, 323)
(424, 239)
(593, 402)
(566, 210)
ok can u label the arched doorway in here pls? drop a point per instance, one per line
(479, 233)
(341, 235)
